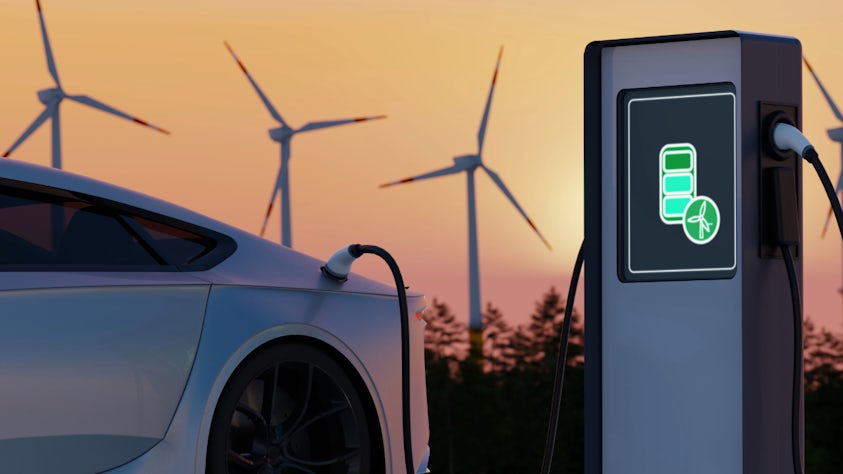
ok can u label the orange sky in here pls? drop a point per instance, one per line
(427, 65)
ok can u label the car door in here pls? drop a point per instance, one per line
(98, 331)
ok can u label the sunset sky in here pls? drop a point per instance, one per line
(425, 64)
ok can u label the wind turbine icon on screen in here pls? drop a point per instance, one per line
(52, 97)
(699, 219)
(468, 164)
(283, 135)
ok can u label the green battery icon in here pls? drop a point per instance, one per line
(677, 180)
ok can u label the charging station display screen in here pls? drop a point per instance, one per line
(678, 183)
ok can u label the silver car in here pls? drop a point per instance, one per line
(139, 337)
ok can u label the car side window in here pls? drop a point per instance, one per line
(176, 246)
(25, 233)
(43, 230)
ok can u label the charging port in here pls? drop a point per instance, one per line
(773, 164)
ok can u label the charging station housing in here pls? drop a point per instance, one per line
(689, 328)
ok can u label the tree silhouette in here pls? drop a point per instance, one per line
(823, 401)
(537, 343)
(445, 339)
(498, 337)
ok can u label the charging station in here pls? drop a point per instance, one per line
(689, 325)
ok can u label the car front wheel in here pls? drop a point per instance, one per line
(289, 408)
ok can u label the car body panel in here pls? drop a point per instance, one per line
(106, 376)
(418, 388)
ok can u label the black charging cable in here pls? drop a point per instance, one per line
(337, 268)
(785, 233)
(812, 157)
(797, 357)
(561, 362)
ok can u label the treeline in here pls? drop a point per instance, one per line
(491, 417)
(823, 401)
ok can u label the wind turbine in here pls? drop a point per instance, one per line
(835, 134)
(468, 164)
(52, 97)
(283, 135)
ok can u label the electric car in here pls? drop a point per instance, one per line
(139, 337)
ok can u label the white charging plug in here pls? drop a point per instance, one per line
(339, 265)
(786, 137)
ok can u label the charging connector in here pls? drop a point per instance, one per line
(773, 160)
(339, 265)
(787, 137)
(771, 116)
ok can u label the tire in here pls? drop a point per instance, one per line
(309, 420)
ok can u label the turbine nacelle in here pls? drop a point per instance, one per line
(51, 95)
(468, 161)
(836, 134)
(280, 134)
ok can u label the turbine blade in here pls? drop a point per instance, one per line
(824, 91)
(51, 63)
(499, 182)
(433, 174)
(34, 126)
(825, 226)
(263, 97)
(837, 191)
(481, 134)
(271, 202)
(333, 123)
(83, 99)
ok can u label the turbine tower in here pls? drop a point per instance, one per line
(52, 97)
(468, 164)
(283, 135)
(835, 134)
